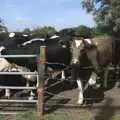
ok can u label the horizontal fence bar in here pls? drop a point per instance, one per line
(17, 56)
(109, 68)
(18, 101)
(19, 88)
(18, 73)
(10, 113)
(56, 63)
(81, 67)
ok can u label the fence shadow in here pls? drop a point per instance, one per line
(107, 111)
(61, 87)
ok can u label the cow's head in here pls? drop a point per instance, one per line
(78, 47)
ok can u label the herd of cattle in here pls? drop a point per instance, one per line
(99, 52)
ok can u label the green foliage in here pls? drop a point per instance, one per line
(3, 28)
(31, 115)
(95, 31)
(26, 116)
(83, 30)
(80, 30)
(66, 32)
(44, 31)
(56, 117)
(26, 31)
(106, 14)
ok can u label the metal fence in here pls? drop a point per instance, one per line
(41, 61)
(6, 88)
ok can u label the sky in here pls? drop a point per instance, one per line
(19, 14)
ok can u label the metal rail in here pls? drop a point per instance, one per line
(10, 113)
(18, 101)
(18, 73)
(18, 88)
(17, 56)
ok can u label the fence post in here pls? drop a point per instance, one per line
(40, 90)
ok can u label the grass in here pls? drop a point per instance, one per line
(31, 116)
(26, 116)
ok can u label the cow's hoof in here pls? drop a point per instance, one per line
(30, 98)
(96, 86)
(80, 102)
(92, 82)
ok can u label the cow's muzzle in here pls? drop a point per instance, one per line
(75, 62)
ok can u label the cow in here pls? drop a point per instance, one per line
(14, 41)
(56, 52)
(10, 80)
(57, 55)
(99, 51)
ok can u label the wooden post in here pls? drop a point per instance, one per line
(40, 90)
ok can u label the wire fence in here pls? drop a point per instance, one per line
(59, 81)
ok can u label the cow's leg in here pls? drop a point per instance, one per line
(63, 75)
(32, 95)
(80, 96)
(7, 93)
(27, 83)
(98, 70)
(37, 85)
(92, 80)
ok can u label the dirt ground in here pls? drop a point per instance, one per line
(98, 103)
(61, 99)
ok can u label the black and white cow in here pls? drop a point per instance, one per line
(9, 46)
(55, 53)
(12, 80)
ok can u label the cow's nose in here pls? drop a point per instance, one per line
(75, 61)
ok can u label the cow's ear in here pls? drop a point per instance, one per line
(88, 43)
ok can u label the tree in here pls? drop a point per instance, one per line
(95, 31)
(44, 31)
(26, 31)
(83, 31)
(106, 14)
(3, 28)
(80, 30)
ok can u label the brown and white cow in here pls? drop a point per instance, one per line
(99, 51)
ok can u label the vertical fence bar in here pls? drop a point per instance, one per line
(40, 90)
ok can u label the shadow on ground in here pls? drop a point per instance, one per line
(107, 111)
